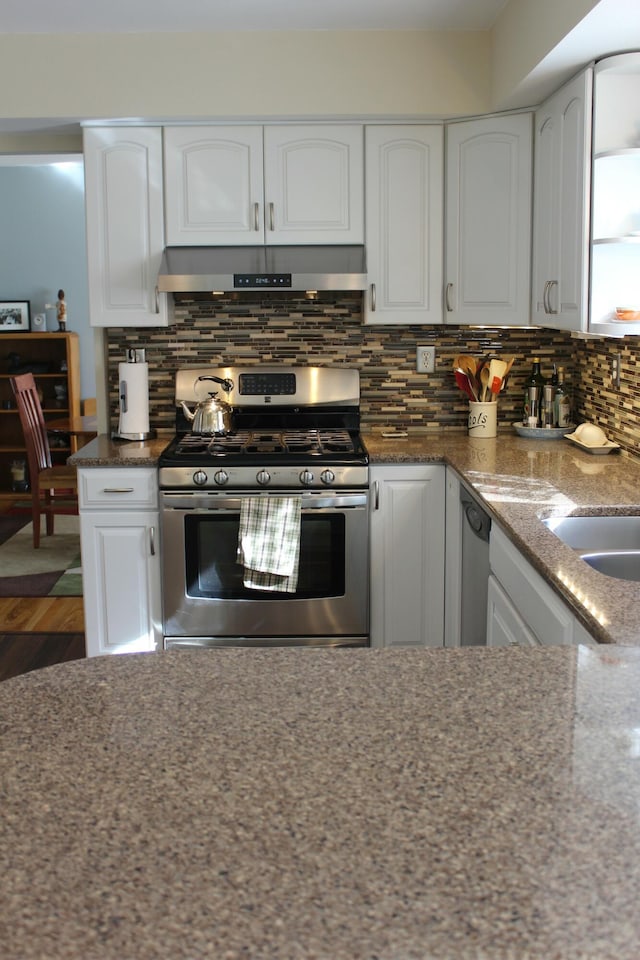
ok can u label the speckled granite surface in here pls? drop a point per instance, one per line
(336, 805)
(521, 481)
(105, 452)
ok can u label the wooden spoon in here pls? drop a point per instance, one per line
(467, 364)
(484, 380)
(496, 373)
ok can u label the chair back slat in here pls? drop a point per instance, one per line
(32, 422)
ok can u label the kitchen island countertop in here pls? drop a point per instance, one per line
(520, 481)
(323, 805)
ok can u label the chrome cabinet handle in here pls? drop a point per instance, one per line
(552, 283)
(118, 490)
(152, 541)
(256, 216)
(447, 300)
(271, 217)
(376, 495)
(545, 296)
(373, 298)
(157, 292)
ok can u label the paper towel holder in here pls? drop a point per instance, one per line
(134, 356)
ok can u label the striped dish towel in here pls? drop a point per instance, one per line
(269, 542)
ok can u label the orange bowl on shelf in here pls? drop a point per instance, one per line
(627, 314)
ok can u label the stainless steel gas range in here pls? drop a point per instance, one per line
(290, 443)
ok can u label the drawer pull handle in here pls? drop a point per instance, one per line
(118, 490)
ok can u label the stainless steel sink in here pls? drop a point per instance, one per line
(609, 544)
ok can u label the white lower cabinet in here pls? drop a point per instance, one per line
(523, 609)
(407, 555)
(119, 530)
(506, 626)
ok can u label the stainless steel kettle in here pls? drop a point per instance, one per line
(212, 416)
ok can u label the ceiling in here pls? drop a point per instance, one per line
(135, 16)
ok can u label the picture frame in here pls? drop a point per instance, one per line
(14, 315)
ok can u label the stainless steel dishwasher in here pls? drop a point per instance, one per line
(474, 571)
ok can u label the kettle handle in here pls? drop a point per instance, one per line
(227, 385)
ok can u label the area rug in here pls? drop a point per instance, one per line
(52, 570)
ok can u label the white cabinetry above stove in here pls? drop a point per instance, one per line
(281, 184)
(125, 226)
(488, 221)
(404, 174)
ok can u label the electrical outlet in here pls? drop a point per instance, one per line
(426, 359)
(616, 362)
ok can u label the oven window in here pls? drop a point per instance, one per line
(212, 570)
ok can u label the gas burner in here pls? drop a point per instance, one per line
(292, 428)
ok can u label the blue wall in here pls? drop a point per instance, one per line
(43, 248)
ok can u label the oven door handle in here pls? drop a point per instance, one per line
(214, 502)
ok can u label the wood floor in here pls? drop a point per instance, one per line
(39, 631)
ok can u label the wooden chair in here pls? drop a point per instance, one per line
(54, 489)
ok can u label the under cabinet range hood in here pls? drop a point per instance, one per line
(226, 269)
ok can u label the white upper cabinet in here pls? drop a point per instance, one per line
(314, 184)
(488, 221)
(213, 185)
(281, 184)
(615, 221)
(125, 225)
(561, 207)
(404, 210)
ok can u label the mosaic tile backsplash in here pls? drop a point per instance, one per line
(285, 328)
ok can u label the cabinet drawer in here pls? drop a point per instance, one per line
(119, 488)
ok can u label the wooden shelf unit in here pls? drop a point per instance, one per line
(55, 358)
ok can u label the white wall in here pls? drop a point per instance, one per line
(247, 74)
(43, 248)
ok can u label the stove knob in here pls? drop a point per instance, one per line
(263, 477)
(221, 477)
(327, 476)
(200, 478)
(306, 478)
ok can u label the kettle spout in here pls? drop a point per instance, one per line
(188, 414)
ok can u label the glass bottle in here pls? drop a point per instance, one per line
(562, 402)
(533, 395)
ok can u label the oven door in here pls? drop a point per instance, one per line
(205, 602)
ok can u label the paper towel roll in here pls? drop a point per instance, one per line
(134, 400)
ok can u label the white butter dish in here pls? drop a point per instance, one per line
(598, 450)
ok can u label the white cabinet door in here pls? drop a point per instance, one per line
(615, 220)
(541, 612)
(213, 185)
(125, 226)
(119, 530)
(505, 626)
(404, 210)
(407, 556)
(488, 221)
(314, 184)
(561, 207)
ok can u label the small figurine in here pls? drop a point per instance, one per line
(61, 311)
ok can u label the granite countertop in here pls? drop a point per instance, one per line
(520, 481)
(103, 451)
(335, 805)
